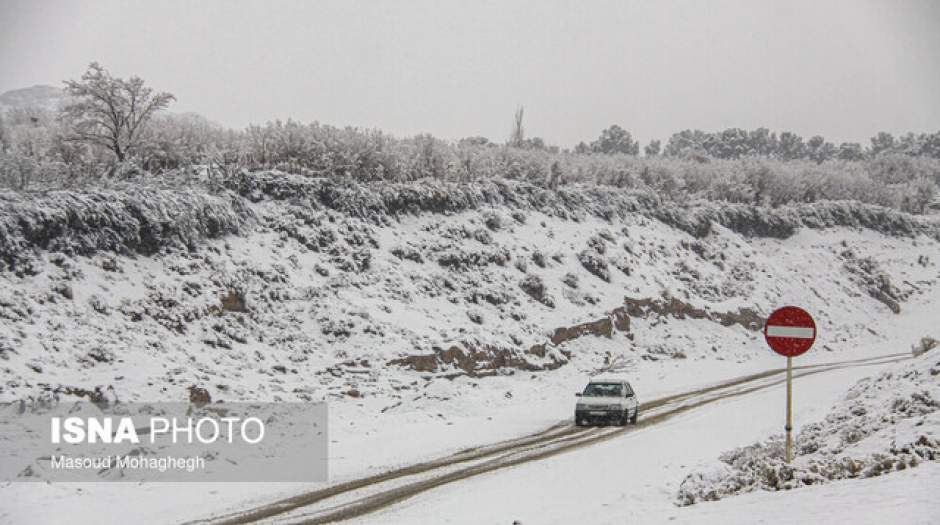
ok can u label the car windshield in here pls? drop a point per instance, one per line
(603, 390)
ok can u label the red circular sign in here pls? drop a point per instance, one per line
(790, 331)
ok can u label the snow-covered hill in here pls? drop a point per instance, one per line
(281, 287)
(35, 97)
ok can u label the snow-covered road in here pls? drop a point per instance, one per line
(633, 478)
(357, 499)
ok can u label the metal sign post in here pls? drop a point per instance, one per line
(790, 331)
(789, 426)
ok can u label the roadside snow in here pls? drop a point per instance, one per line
(885, 423)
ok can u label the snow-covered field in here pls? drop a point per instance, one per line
(317, 305)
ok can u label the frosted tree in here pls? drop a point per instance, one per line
(791, 146)
(111, 112)
(881, 142)
(850, 151)
(615, 140)
(819, 150)
(685, 142)
(652, 149)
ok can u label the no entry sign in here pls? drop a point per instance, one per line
(790, 331)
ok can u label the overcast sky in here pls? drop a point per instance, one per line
(843, 69)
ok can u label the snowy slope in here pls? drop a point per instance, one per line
(309, 303)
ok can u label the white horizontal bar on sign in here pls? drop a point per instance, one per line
(798, 332)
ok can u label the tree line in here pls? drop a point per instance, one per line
(111, 125)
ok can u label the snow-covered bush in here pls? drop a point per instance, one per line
(533, 285)
(594, 263)
(925, 345)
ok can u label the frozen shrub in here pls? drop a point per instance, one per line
(475, 316)
(337, 329)
(493, 221)
(623, 264)
(407, 253)
(461, 259)
(598, 244)
(489, 294)
(533, 285)
(570, 280)
(606, 235)
(64, 290)
(483, 236)
(595, 264)
(538, 258)
(97, 304)
(925, 345)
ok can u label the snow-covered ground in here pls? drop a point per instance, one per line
(321, 325)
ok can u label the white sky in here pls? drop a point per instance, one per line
(843, 69)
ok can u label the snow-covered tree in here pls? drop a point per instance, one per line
(615, 140)
(111, 112)
(791, 146)
(685, 142)
(819, 150)
(850, 151)
(880, 143)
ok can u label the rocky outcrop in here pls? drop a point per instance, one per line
(672, 307)
(480, 360)
(474, 360)
(602, 327)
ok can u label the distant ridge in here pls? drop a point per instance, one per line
(40, 96)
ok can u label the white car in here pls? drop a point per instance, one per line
(606, 401)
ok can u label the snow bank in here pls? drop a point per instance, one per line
(883, 424)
